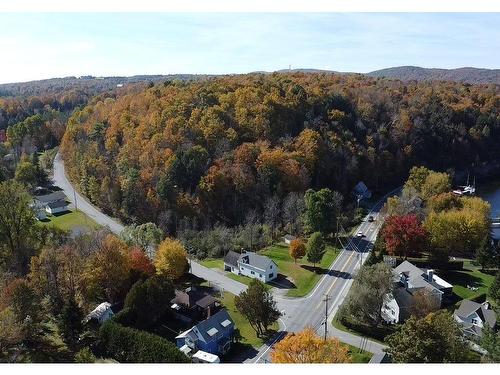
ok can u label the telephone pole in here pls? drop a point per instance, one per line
(327, 298)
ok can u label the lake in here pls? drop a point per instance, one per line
(491, 193)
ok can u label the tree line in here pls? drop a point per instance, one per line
(212, 151)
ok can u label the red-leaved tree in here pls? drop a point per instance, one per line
(404, 236)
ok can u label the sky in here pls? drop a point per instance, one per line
(46, 45)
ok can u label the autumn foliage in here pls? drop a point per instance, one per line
(404, 236)
(307, 347)
(297, 249)
(171, 259)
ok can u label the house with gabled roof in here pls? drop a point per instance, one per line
(409, 281)
(212, 335)
(473, 316)
(252, 265)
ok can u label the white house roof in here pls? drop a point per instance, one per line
(206, 357)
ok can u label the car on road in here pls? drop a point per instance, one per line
(370, 218)
(360, 234)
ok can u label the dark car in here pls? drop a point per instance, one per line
(370, 218)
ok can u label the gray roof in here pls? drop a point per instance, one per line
(52, 197)
(468, 307)
(232, 258)
(289, 237)
(416, 277)
(215, 321)
(260, 262)
(57, 204)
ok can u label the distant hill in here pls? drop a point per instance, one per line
(464, 75)
(92, 85)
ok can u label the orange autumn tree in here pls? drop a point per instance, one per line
(307, 347)
(297, 249)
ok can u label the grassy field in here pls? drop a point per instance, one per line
(469, 276)
(359, 355)
(70, 220)
(302, 273)
(249, 337)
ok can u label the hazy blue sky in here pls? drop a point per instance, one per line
(36, 46)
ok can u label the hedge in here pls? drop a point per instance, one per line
(129, 345)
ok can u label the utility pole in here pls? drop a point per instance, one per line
(327, 298)
(74, 197)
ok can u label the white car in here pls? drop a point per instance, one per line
(360, 234)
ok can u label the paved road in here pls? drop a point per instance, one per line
(60, 179)
(309, 311)
(297, 313)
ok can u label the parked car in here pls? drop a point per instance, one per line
(360, 234)
(370, 218)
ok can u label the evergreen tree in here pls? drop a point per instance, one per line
(70, 322)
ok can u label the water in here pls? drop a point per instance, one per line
(491, 193)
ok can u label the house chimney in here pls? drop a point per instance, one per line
(430, 275)
(486, 305)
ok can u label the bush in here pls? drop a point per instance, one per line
(129, 345)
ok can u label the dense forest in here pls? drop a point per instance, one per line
(214, 150)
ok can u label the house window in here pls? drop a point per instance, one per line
(260, 275)
(253, 273)
(271, 275)
(474, 321)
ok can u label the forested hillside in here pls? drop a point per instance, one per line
(465, 75)
(213, 151)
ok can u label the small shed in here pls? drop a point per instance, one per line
(362, 191)
(288, 238)
(101, 313)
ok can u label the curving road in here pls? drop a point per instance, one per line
(297, 313)
(61, 180)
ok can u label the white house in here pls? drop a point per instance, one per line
(101, 313)
(473, 316)
(56, 207)
(409, 280)
(288, 238)
(252, 265)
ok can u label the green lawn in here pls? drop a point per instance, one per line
(470, 275)
(212, 263)
(249, 337)
(359, 355)
(70, 220)
(301, 273)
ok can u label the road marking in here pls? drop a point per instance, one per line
(274, 342)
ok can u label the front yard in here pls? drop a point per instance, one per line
(248, 335)
(71, 221)
(302, 277)
(302, 274)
